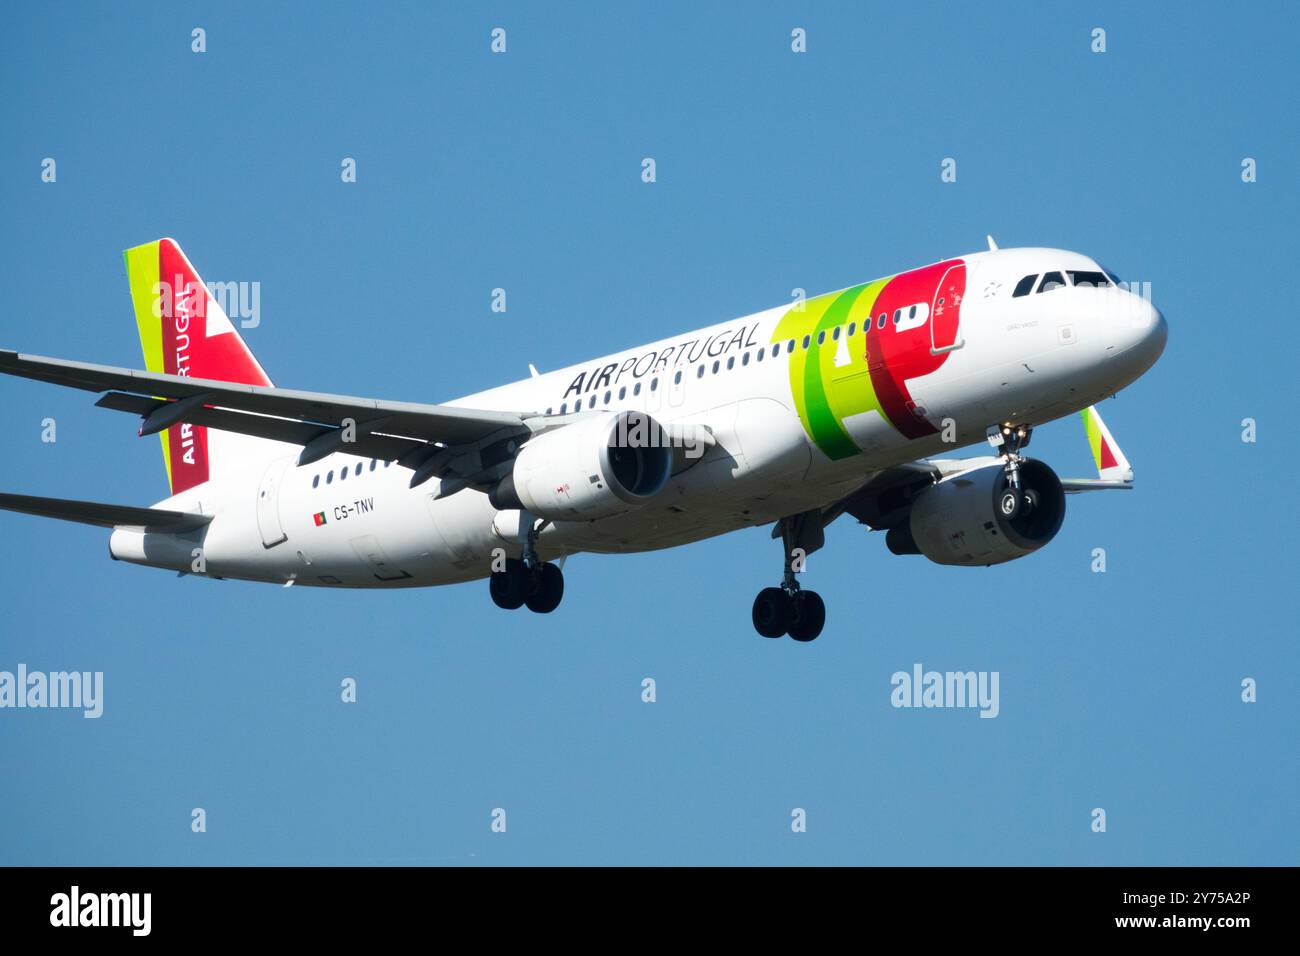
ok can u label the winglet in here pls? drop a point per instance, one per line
(1111, 463)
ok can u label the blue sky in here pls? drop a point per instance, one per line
(775, 170)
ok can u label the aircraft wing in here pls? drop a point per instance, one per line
(1113, 469)
(394, 431)
(105, 516)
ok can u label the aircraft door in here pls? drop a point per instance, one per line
(945, 311)
(677, 388)
(369, 550)
(268, 503)
(655, 394)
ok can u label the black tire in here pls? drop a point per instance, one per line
(772, 612)
(809, 616)
(550, 590)
(509, 587)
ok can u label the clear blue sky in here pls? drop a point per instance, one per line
(775, 170)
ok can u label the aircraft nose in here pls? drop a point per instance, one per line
(1158, 335)
(1142, 331)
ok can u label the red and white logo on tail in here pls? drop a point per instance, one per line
(185, 331)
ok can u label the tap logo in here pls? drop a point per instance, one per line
(865, 344)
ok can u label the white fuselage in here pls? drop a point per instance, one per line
(1032, 359)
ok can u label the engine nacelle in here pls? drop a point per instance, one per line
(602, 466)
(958, 521)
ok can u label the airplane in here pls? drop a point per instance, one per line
(790, 417)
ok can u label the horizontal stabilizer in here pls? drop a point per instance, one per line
(105, 516)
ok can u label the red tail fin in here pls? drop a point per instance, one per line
(185, 331)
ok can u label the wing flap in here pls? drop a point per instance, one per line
(103, 515)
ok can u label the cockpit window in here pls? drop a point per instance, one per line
(1025, 285)
(1052, 280)
(1089, 279)
(1110, 275)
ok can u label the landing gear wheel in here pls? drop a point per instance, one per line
(509, 588)
(773, 612)
(549, 590)
(809, 616)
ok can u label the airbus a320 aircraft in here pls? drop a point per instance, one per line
(789, 417)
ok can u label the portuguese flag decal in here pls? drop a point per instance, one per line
(319, 518)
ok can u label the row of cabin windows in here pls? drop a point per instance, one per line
(757, 355)
(1056, 280)
(343, 472)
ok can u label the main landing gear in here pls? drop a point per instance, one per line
(1007, 440)
(530, 581)
(790, 609)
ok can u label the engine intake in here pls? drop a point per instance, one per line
(959, 521)
(591, 469)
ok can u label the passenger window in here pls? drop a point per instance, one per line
(716, 365)
(806, 339)
(835, 334)
(821, 336)
(343, 473)
(1025, 286)
(373, 462)
(564, 408)
(622, 392)
(731, 363)
(880, 323)
(700, 372)
(853, 327)
(329, 478)
(636, 389)
(1096, 280)
(654, 384)
(315, 481)
(677, 378)
(1052, 280)
(789, 347)
(744, 359)
(607, 397)
(358, 471)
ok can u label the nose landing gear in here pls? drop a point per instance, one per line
(1007, 440)
(789, 609)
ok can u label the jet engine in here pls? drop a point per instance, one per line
(594, 468)
(969, 519)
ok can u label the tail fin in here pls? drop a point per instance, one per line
(185, 331)
(1111, 463)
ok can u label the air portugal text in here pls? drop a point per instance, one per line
(690, 350)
